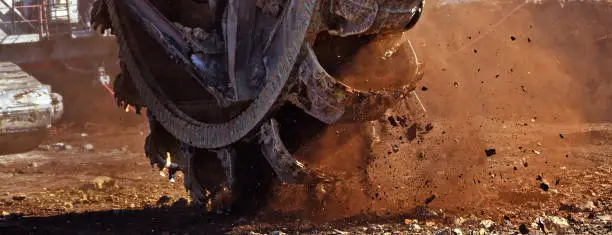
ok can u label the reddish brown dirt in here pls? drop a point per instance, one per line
(531, 81)
(504, 79)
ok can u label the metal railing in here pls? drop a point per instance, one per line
(47, 18)
(21, 19)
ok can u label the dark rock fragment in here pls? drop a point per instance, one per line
(430, 199)
(544, 186)
(490, 152)
(392, 121)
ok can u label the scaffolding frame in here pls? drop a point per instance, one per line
(51, 18)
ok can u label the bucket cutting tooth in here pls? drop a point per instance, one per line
(329, 100)
(286, 167)
(227, 157)
(198, 192)
(226, 193)
(318, 93)
(221, 192)
(191, 183)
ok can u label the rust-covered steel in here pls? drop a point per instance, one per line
(214, 76)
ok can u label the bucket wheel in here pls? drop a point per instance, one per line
(212, 76)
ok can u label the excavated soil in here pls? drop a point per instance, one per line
(516, 136)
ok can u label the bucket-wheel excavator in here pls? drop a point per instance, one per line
(221, 80)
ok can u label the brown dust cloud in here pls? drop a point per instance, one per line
(504, 75)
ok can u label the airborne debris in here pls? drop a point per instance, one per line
(490, 152)
(430, 199)
(420, 156)
(428, 127)
(395, 148)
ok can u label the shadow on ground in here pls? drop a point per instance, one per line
(148, 220)
(189, 220)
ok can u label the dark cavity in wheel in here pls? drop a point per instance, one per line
(172, 80)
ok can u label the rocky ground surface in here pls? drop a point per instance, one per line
(515, 138)
(100, 182)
